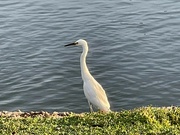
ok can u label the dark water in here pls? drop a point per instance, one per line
(134, 52)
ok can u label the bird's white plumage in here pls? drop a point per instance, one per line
(96, 95)
(93, 91)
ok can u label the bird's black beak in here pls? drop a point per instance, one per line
(71, 44)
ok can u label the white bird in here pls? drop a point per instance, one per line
(93, 91)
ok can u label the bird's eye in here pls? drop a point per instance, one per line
(76, 43)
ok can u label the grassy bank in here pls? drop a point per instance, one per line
(146, 120)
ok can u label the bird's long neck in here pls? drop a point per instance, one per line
(84, 70)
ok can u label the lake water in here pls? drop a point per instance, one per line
(134, 52)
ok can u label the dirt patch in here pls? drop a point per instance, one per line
(43, 114)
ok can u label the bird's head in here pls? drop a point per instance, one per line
(78, 42)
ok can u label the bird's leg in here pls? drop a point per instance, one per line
(90, 107)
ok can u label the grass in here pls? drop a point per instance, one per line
(139, 121)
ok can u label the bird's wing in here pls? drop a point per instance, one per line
(102, 94)
(96, 94)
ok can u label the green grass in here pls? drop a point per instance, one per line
(140, 121)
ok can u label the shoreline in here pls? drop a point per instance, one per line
(143, 120)
(45, 114)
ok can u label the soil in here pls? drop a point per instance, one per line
(19, 114)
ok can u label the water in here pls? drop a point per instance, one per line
(134, 53)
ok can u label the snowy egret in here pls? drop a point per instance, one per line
(93, 91)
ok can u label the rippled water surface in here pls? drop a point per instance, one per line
(134, 52)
